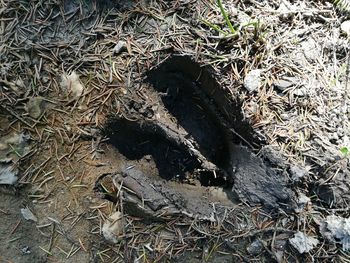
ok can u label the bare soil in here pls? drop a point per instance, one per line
(165, 132)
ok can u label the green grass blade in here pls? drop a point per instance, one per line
(343, 5)
(215, 27)
(224, 14)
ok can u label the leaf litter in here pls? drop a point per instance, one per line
(307, 122)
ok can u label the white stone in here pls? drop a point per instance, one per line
(119, 47)
(28, 215)
(302, 242)
(345, 27)
(336, 228)
(252, 80)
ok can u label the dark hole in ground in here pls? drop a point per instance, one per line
(182, 98)
(135, 141)
(192, 129)
(208, 179)
(226, 109)
(200, 113)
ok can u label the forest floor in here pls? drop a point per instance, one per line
(149, 131)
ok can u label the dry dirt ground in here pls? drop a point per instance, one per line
(145, 108)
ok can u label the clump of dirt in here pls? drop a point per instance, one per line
(181, 120)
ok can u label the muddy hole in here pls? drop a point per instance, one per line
(141, 142)
(181, 130)
(181, 126)
(182, 99)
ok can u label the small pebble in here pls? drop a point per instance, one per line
(119, 47)
(345, 27)
(303, 243)
(28, 215)
(252, 80)
(255, 248)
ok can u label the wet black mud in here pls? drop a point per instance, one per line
(135, 140)
(192, 129)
